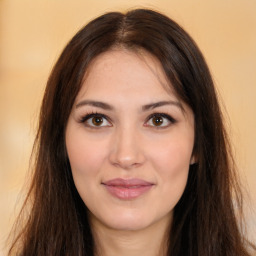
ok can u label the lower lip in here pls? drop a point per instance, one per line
(127, 193)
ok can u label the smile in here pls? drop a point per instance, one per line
(127, 189)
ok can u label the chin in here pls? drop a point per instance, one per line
(126, 221)
(130, 220)
(126, 224)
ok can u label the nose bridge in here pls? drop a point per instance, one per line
(126, 148)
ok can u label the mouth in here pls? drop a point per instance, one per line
(127, 189)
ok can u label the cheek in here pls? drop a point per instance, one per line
(171, 162)
(174, 154)
(86, 159)
(85, 156)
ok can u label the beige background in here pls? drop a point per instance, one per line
(32, 34)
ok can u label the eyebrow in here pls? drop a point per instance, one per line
(147, 107)
(93, 103)
(161, 103)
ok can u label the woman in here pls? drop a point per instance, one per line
(131, 153)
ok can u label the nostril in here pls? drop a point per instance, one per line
(126, 159)
(126, 162)
(125, 150)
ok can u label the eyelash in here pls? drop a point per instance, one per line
(162, 115)
(85, 119)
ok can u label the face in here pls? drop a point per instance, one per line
(129, 141)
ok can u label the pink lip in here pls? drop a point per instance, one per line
(127, 189)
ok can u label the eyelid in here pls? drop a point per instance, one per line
(86, 117)
(163, 115)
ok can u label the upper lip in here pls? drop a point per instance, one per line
(127, 182)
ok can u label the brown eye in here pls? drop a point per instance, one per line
(97, 120)
(160, 120)
(157, 120)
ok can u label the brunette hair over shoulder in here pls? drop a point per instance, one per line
(204, 222)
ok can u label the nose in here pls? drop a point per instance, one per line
(127, 149)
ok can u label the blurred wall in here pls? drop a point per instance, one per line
(33, 33)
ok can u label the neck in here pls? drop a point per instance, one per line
(151, 241)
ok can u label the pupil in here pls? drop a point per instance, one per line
(158, 120)
(97, 121)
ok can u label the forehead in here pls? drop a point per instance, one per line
(122, 70)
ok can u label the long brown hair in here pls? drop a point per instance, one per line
(205, 222)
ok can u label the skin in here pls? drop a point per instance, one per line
(129, 143)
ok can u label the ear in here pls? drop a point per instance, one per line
(193, 159)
